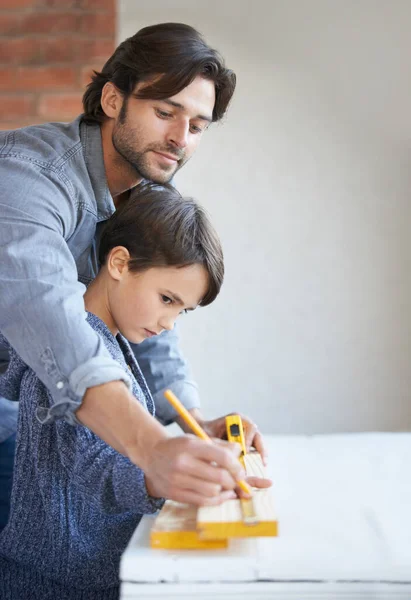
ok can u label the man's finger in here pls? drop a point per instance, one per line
(259, 482)
(234, 447)
(250, 429)
(258, 444)
(223, 454)
(189, 497)
(200, 470)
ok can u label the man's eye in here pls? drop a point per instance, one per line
(162, 114)
(166, 299)
(195, 129)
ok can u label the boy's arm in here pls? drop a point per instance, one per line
(103, 476)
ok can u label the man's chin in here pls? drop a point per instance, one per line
(158, 175)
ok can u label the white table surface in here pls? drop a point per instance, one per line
(344, 511)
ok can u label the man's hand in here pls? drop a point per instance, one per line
(217, 429)
(188, 469)
(185, 469)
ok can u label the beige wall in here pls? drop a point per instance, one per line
(308, 182)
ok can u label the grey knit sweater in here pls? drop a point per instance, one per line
(75, 501)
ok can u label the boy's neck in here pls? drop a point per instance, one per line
(96, 302)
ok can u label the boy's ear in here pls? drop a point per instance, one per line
(111, 100)
(117, 262)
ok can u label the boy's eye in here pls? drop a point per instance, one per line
(166, 299)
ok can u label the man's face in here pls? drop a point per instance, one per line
(157, 137)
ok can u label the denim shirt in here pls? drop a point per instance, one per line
(54, 202)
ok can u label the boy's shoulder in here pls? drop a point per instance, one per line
(98, 325)
(110, 341)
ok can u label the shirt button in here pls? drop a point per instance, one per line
(60, 385)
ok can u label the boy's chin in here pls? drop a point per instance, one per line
(136, 337)
(133, 337)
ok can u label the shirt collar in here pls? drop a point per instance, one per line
(90, 136)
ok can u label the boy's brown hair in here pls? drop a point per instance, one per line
(160, 228)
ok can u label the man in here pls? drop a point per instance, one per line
(144, 116)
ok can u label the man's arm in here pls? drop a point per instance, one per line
(164, 367)
(41, 302)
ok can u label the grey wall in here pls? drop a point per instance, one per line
(308, 183)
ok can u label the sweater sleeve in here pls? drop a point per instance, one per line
(102, 475)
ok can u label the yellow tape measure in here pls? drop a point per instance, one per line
(235, 432)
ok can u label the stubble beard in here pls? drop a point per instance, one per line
(124, 140)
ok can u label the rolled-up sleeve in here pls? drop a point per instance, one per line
(164, 366)
(42, 311)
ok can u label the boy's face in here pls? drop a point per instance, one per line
(145, 304)
(157, 137)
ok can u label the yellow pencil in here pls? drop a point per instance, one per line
(192, 423)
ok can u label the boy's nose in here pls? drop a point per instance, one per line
(166, 323)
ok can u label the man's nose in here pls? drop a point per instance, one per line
(179, 134)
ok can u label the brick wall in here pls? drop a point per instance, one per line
(48, 48)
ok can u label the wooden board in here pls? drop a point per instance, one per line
(176, 528)
(226, 520)
(254, 465)
(183, 526)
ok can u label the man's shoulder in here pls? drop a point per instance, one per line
(48, 144)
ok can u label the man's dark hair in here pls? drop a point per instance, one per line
(171, 54)
(160, 228)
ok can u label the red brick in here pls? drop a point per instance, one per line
(37, 78)
(22, 51)
(60, 105)
(102, 25)
(33, 51)
(13, 106)
(31, 120)
(51, 22)
(4, 125)
(61, 49)
(7, 78)
(10, 24)
(61, 3)
(47, 77)
(108, 5)
(87, 72)
(89, 50)
(16, 4)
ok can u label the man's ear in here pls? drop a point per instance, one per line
(117, 262)
(111, 100)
